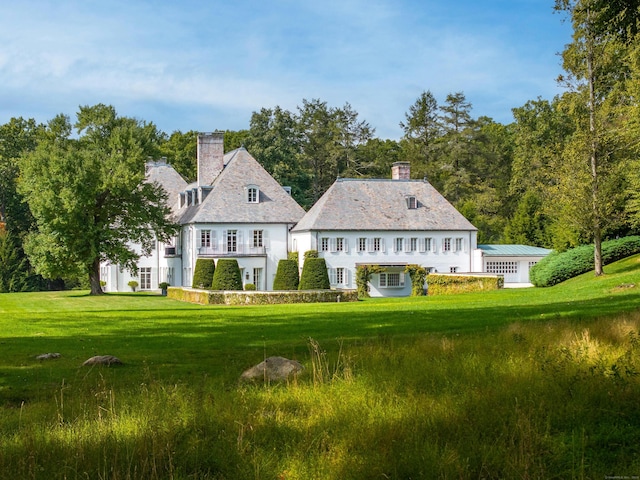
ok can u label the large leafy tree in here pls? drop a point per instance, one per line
(89, 196)
(588, 184)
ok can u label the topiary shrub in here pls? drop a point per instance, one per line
(287, 277)
(133, 284)
(558, 267)
(449, 284)
(293, 256)
(249, 287)
(203, 273)
(314, 275)
(311, 254)
(227, 275)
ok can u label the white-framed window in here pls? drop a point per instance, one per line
(362, 244)
(453, 269)
(257, 278)
(377, 244)
(391, 280)
(340, 244)
(232, 241)
(338, 276)
(398, 244)
(253, 194)
(324, 244)
(412, 203)
(145, 278)
(459, 246)
(413, 244)
(205, 238)
(426, 244)
(446, 245)
(258, 239)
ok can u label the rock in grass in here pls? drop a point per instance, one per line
(273, 369)
(107, 360)
(48, 356)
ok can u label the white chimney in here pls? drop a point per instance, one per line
(210, 157)
(401, 171)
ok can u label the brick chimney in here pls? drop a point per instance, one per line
(401, 171)
(210, 157)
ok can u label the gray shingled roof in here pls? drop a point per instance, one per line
(226, 202)
(165, 175)
(352, 204)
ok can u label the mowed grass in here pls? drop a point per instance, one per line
(533, 383)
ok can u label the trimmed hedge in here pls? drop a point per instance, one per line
(206, 297)
(287, 277)
(558, 267)
(448, 284)
(314, 274)
(203, 273)
(227, 275)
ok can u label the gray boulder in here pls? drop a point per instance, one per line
(273, 369)
(107, 360)
(48, 356)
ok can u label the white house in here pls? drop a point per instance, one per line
(234, 210)
(386, 222)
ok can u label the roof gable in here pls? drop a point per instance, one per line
(352, 204)
(227, 202)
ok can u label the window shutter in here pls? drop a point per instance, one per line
(345, 244)
(332, 276)
(383, 247)
(402, 276)
(434, 245)
(332, 245)
(382, 280)
(347, 279)
(239, 244)
(265, 238)
(225, 240)
(422, 245)
(454, 244)
(369, 244)
(214, 240)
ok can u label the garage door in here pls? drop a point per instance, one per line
(506, 268)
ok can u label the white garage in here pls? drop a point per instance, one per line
(512, 261)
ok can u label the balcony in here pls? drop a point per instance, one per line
(241, 250)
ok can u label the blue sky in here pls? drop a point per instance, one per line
(207, 65)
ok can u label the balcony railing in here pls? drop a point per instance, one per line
(223, 250)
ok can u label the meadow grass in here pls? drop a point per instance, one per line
(532, 383)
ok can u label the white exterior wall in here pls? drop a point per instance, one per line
(437, 258)
(275, 241)
(515, 269)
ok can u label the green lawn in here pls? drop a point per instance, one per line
(531, 383)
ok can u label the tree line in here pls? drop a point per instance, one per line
(565, 172)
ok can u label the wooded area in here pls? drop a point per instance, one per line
(565, 172)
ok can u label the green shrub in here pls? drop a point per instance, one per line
(314, 274)
(249, 287)
(133, 284)
(287, 277)
(203, 273)
(558, 267)
(447, 284)
(310, 254)
(363, 277)
(418, 277)
(293, 256)
(227, 275)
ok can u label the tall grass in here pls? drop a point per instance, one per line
(518, 386)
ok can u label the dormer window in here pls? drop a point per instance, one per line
(412, 203)
(253, 194)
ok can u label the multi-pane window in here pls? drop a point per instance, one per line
(377, 244)
(412, 203)
(399, 244)
(413, 244)
(205, 238)
(324, 244)
(145, 278)
(446, 245)
(252, 194)
(340, 276)
(502, 267)
(453, 269)
(389, 280)
(428, 244)
(459, 244)
(258, 238)
(232, 240)
(340, 244)
(362, 244)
